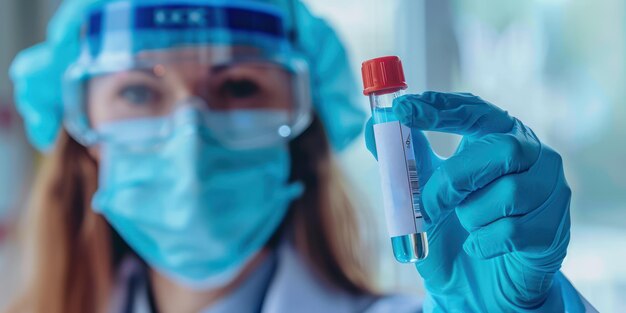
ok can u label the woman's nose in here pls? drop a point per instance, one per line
(190, 82)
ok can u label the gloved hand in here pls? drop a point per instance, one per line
(496, 212)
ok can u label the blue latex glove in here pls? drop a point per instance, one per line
(496, 212)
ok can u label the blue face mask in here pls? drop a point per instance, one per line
(193, 210)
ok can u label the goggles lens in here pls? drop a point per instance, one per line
(247, 93)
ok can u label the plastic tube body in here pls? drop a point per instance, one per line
(399, 180)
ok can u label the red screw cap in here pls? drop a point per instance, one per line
(383, 74)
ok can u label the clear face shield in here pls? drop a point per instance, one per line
(227, 68)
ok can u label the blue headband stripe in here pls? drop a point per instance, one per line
(191, 17)
(94, 25)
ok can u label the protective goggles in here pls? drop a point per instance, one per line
(150, 64)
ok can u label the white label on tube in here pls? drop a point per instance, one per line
(398, 175)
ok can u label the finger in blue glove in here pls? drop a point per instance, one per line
(498, 209)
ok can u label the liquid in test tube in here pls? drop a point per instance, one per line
(383, 80)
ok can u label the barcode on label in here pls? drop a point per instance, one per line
(415, 187)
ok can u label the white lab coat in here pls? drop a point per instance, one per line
(292, 287)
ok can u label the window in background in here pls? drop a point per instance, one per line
(558, 65)
(22, 24)
(368, 32)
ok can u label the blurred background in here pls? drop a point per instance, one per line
(558, 65)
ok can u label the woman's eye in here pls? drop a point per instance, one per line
(239, 89)
(138, 94)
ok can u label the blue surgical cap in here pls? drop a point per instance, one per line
(37, 72)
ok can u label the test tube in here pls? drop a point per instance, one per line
(383, 81)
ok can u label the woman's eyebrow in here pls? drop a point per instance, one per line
(155, 72)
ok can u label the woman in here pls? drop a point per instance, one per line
(194, 174)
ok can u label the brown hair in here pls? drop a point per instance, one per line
(76, 252)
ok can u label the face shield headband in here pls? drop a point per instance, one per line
(162, 37)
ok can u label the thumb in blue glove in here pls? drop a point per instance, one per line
(496, 212)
